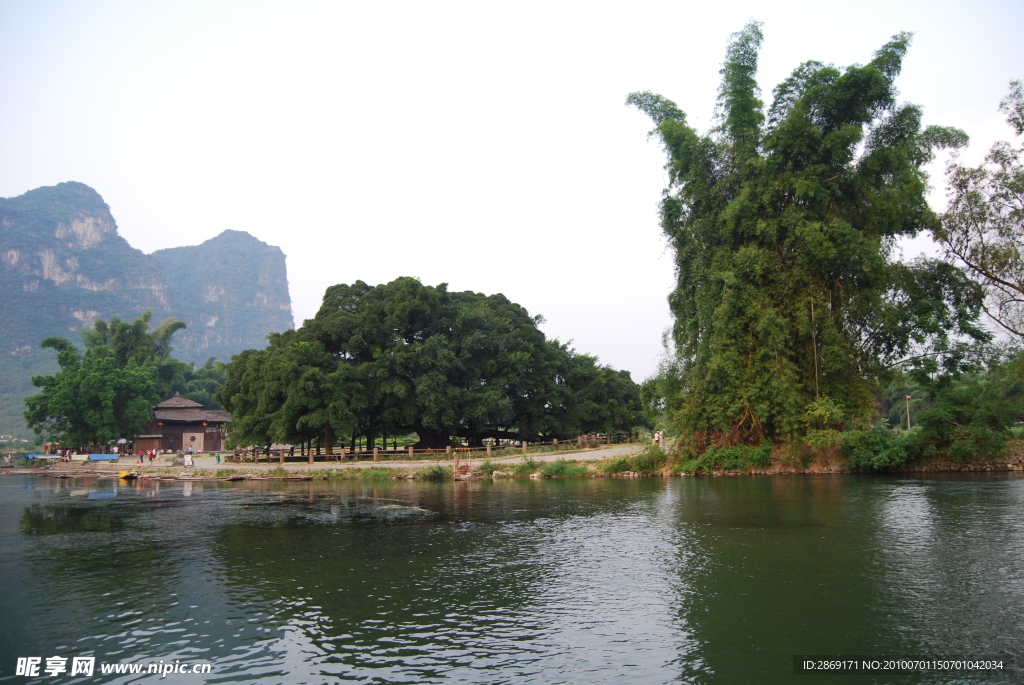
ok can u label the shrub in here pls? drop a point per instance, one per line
(224, 473)
(563, 468)
(648, 461)
(876, 448)
(376, 474)
(488, 467)
(689, 466)
(820, 439)
(526, 468)
(278, 472)
(738, 456)
(619, 465)
(732, 457)
(436, 472)
(966, 420)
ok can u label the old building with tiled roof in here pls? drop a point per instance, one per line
(179, 424)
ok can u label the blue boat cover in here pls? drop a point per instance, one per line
(102, 457)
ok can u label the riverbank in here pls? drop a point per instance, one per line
(626, 461)
(207, 467)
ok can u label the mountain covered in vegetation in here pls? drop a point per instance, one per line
(230, 291)
(63, 265)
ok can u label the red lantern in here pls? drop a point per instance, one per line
(204, 423)
(159, 423)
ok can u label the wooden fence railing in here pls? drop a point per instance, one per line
(341, 454)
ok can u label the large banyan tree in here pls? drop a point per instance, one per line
(403, 357)
(789, 306)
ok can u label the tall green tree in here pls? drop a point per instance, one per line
(108, 391)
(251, 398)
(402, 357)
(199, 384)
(128, 340)
(438, 363)
(592, 397)
(97, 396)
(983, 227)
(788, 301)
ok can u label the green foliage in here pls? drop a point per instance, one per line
(109, 391)
(16, 373)
(743, 457)
(437, 472)
(983, 227)
(617, 465)
(365, 474)
(96, 397)
(278, 472)
(135, 341)
(648, 461)
(403, 357)
(488, 467)
(878, 447)
(820, 421)
(560, 468)
(966, 419)
(782, 223)
(591, 398)
(231, 290)
(963, 417)
(526, 467)
(388, 474)
(738, 457)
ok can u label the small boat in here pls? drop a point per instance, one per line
(128, 475)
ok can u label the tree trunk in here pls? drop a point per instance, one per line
(431, 438)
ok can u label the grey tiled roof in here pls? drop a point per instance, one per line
(177, 402)
(191, 415)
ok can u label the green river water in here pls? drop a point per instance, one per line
(702, 580)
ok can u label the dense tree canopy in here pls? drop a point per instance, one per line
(92, 400)
(788, 305)
(108, 391)
(404, 357)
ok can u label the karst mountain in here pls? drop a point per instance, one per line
(63, 265)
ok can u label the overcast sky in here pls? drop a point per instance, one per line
(482, 144)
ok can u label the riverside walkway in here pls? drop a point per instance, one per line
(207, 463)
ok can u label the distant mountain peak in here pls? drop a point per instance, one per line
(63, 265)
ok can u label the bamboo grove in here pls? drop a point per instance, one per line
(790, 310)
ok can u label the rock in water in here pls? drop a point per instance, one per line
(393, 513)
